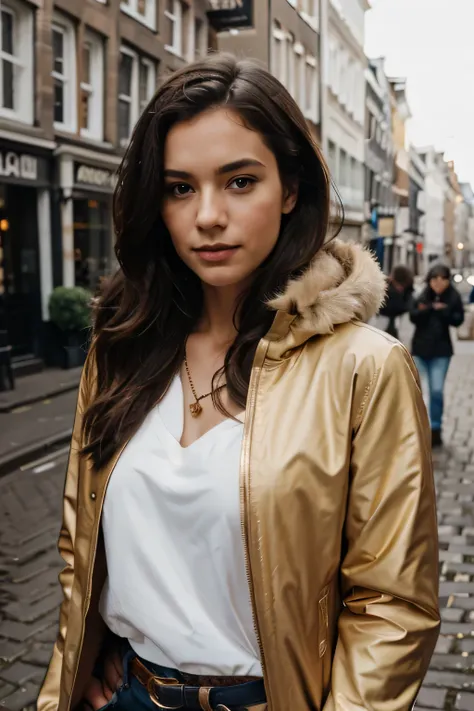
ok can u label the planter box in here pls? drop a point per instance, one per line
(65, 350)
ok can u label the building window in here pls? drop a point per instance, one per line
(332, 159)
(92, 88)
(64, 74)
(279, 57)
(300, 75)
(343, 169)
(174, 13)
(16, 65)
(291, 64)
(310, 12)
(311, 109)
(137, 81)
(200, 37)
(146, 82)
(92, 241)
(343, 77)
(142, 10)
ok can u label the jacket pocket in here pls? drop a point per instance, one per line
(323, 620)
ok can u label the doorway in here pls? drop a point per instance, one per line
(20, 279)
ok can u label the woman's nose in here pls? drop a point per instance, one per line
(211, 211)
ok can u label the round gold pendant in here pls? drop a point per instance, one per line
(195, 409)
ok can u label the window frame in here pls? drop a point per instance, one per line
(96, 88)
(134, 99)
(130, 7)
(200, 37)
(177, 18)
(151, 81)
(311, 108)
(291, 64)
(279, 54)
(69, 77)
(300, 74)
(22, 63)
(129, 99)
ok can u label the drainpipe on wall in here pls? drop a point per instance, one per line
(269, 35)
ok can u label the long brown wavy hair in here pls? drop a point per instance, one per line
(148, 308)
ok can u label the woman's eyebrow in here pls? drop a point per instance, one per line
(227, 168)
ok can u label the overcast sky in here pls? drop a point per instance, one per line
(431, 42)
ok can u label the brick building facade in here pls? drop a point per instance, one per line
(75, 77)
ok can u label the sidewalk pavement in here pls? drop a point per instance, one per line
(40, 386)
(37, 415)
(29, 431)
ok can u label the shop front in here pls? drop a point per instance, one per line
(87, 185)
(25, 237)
(92, 215)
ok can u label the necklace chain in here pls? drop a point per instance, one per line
(196, 407)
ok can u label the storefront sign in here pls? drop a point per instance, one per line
(91, 177)
(230, 14)
(20, 166)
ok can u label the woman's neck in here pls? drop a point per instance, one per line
(219, 313)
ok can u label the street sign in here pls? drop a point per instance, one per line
(230, 14)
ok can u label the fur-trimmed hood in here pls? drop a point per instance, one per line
(343, 283)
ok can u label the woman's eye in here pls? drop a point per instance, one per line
(179, 189)
(242, 183)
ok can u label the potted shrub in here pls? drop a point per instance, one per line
(70, 314)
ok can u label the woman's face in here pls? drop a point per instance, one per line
(439, 284)
(223, 198)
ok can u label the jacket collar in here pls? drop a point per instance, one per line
(343, 283)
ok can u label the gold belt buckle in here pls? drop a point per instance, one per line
(157, 681)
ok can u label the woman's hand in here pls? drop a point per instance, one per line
(422, 306)
(99, 692)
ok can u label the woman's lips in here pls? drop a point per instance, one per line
(216, 254)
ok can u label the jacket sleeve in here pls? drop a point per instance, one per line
(453, 314)
(49, 695)
(390, 619)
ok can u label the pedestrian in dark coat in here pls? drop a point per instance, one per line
(437, 308)
(399, 294)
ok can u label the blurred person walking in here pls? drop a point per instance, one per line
(437, 308)
(397, 302)
(249, 514)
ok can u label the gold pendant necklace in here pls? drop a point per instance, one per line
(195, 407)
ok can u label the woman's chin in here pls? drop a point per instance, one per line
(222, 278)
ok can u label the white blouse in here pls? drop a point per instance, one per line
(177, 587)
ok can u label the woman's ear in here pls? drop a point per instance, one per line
(290, 197)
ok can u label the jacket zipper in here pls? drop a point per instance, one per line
(90, 575)
(245, 481)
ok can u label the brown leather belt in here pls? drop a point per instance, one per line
(195, 692)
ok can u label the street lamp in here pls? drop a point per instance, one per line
(460, 245)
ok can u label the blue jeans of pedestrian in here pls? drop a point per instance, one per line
(433, 372)
(133, 696)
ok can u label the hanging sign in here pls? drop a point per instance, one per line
(230, 14)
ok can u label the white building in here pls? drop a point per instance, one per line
(343, 104)
(435, 192)
(466, 220)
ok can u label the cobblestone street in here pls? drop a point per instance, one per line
(29, 594)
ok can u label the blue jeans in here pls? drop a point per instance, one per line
(133, 696)
(432, 375)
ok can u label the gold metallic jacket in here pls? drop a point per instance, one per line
(338, 509)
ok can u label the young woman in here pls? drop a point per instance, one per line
(437, 309)
(249, 512)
